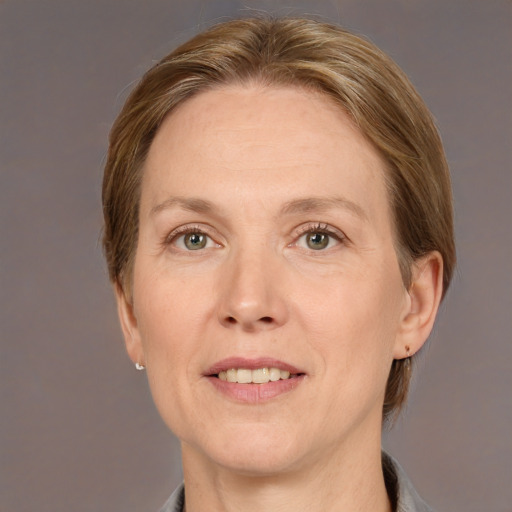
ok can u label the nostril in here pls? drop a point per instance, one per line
(248, 324)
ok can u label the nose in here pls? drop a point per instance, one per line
(252, 296)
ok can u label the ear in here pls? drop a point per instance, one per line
(129, 326)
(424, 297)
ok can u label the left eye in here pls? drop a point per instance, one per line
(193, 241)
(317, 240)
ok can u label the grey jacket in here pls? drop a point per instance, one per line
(402, 494)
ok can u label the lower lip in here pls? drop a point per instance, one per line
(255, 393)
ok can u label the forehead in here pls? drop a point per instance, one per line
(262, 139)
(266, 114)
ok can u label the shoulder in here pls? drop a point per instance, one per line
(400, 489)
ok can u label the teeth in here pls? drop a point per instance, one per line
(259, 376)
(275, 374)
(244, 376)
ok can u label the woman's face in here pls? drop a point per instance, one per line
(265, 247)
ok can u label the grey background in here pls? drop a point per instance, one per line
(77, 425)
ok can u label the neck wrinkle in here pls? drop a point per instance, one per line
(343, 484)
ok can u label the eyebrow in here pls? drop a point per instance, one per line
(191, 204)
(321, 204)
(301, 205)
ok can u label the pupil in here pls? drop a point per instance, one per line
(317, 240)
(195, 241)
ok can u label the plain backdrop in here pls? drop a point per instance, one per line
(78, 428)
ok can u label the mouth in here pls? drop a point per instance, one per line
(254, 380)
(256, 376)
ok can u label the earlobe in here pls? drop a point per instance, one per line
(424, 297)
(129, 326)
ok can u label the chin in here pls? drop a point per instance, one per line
(254, 463)
(265, 452)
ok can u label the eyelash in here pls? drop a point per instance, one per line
(183, 230)
(174, 235)
(321, 228)
(317, 227)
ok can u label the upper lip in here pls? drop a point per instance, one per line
(251, 364)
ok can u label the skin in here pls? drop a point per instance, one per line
(340, 314)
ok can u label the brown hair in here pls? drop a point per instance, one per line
(361, 79)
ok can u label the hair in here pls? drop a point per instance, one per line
(305, 53)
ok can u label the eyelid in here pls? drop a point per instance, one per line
(203, 229)
(310, 227)
(320, 227)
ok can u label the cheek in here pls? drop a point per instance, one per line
(164, 295)
(348, 303)
(174, 319)
(166, 315)
(353, 339)
(156, 320)
(352, 324)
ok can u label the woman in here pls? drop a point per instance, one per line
(278, 229)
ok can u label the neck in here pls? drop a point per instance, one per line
(347, 482)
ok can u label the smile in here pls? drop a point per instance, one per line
(256, 376)
(254, 381)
